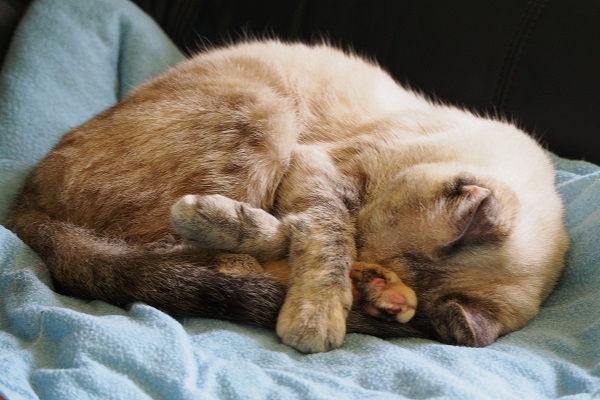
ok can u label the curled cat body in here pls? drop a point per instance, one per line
(263, 150)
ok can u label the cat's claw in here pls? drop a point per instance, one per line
(380, 293)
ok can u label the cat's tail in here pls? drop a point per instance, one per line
(176, 279)
(179, 280)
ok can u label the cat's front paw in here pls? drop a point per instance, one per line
(314, 325)
(379, 292)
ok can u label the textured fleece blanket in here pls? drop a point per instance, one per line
(71, 59)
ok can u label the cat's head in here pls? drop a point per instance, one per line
(457, 238)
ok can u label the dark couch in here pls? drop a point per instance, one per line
(534, 62)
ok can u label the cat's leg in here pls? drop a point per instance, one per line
(317, 232)
(380, 293)
(376, 291)
(222, 223)
(321, 250)
(219, 223)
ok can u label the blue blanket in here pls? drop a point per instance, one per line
(69, 60)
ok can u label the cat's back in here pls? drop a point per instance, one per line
(331, 89)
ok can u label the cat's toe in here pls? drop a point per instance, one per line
(312, 326)
(379, 292)
(208, 221)
(393, 299)
(183, 213)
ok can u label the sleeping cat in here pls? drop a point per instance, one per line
(273, 151)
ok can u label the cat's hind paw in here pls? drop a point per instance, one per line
(220, 223)
(209, 222)
(379, 292)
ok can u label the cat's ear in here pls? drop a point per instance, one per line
(465, 323)
(479, 216)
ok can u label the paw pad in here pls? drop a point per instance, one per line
(380, 293)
